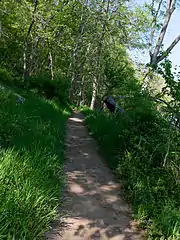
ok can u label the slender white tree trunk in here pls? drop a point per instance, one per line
(51, 65)
(154, 57)
(27, 42)
(94, 93)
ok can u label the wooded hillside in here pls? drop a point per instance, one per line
(55, 55)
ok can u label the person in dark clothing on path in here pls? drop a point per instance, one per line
(110, 103)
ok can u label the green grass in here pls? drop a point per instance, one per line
(31, 158)
(135, 145)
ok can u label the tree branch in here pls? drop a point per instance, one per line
(172, 6)
(169, 10)
(153, 26)
(169, 49)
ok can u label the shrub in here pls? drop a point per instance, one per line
(6, 77)
(49, 88)
(142, 149)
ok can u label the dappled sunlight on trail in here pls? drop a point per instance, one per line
(94, 203)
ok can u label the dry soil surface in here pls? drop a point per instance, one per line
(93, 200)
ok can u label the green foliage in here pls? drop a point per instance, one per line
(171, 92)
(31, 156)
(77, 35)
(6, 77)
(142, 149)
(172, 79)
(118, 71)
(140, 25)
(43, 85)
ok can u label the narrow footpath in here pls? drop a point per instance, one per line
(93, 201)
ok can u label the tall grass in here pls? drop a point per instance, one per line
(143, 151)
(31, 157)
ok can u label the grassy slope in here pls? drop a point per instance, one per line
(134, 150)
(31, 155)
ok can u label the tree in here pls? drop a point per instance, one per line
(73, 40)
(156, 53)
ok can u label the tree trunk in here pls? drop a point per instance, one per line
(81, 93)
(94, 93)
(153, 26)
(51, 65)
(25, 73)
(33, 60)
(154, 57)
(99, 52)
(75, 54)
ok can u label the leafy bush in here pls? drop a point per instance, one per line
(31, 156)
(6, 76)
(49, 88)
(143, 151)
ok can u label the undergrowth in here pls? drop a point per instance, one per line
(31, 155)
(143, 151)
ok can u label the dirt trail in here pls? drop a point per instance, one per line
(93, 200)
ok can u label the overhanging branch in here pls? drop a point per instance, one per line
(169, 49)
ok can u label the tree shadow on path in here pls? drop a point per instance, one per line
(93, 199)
